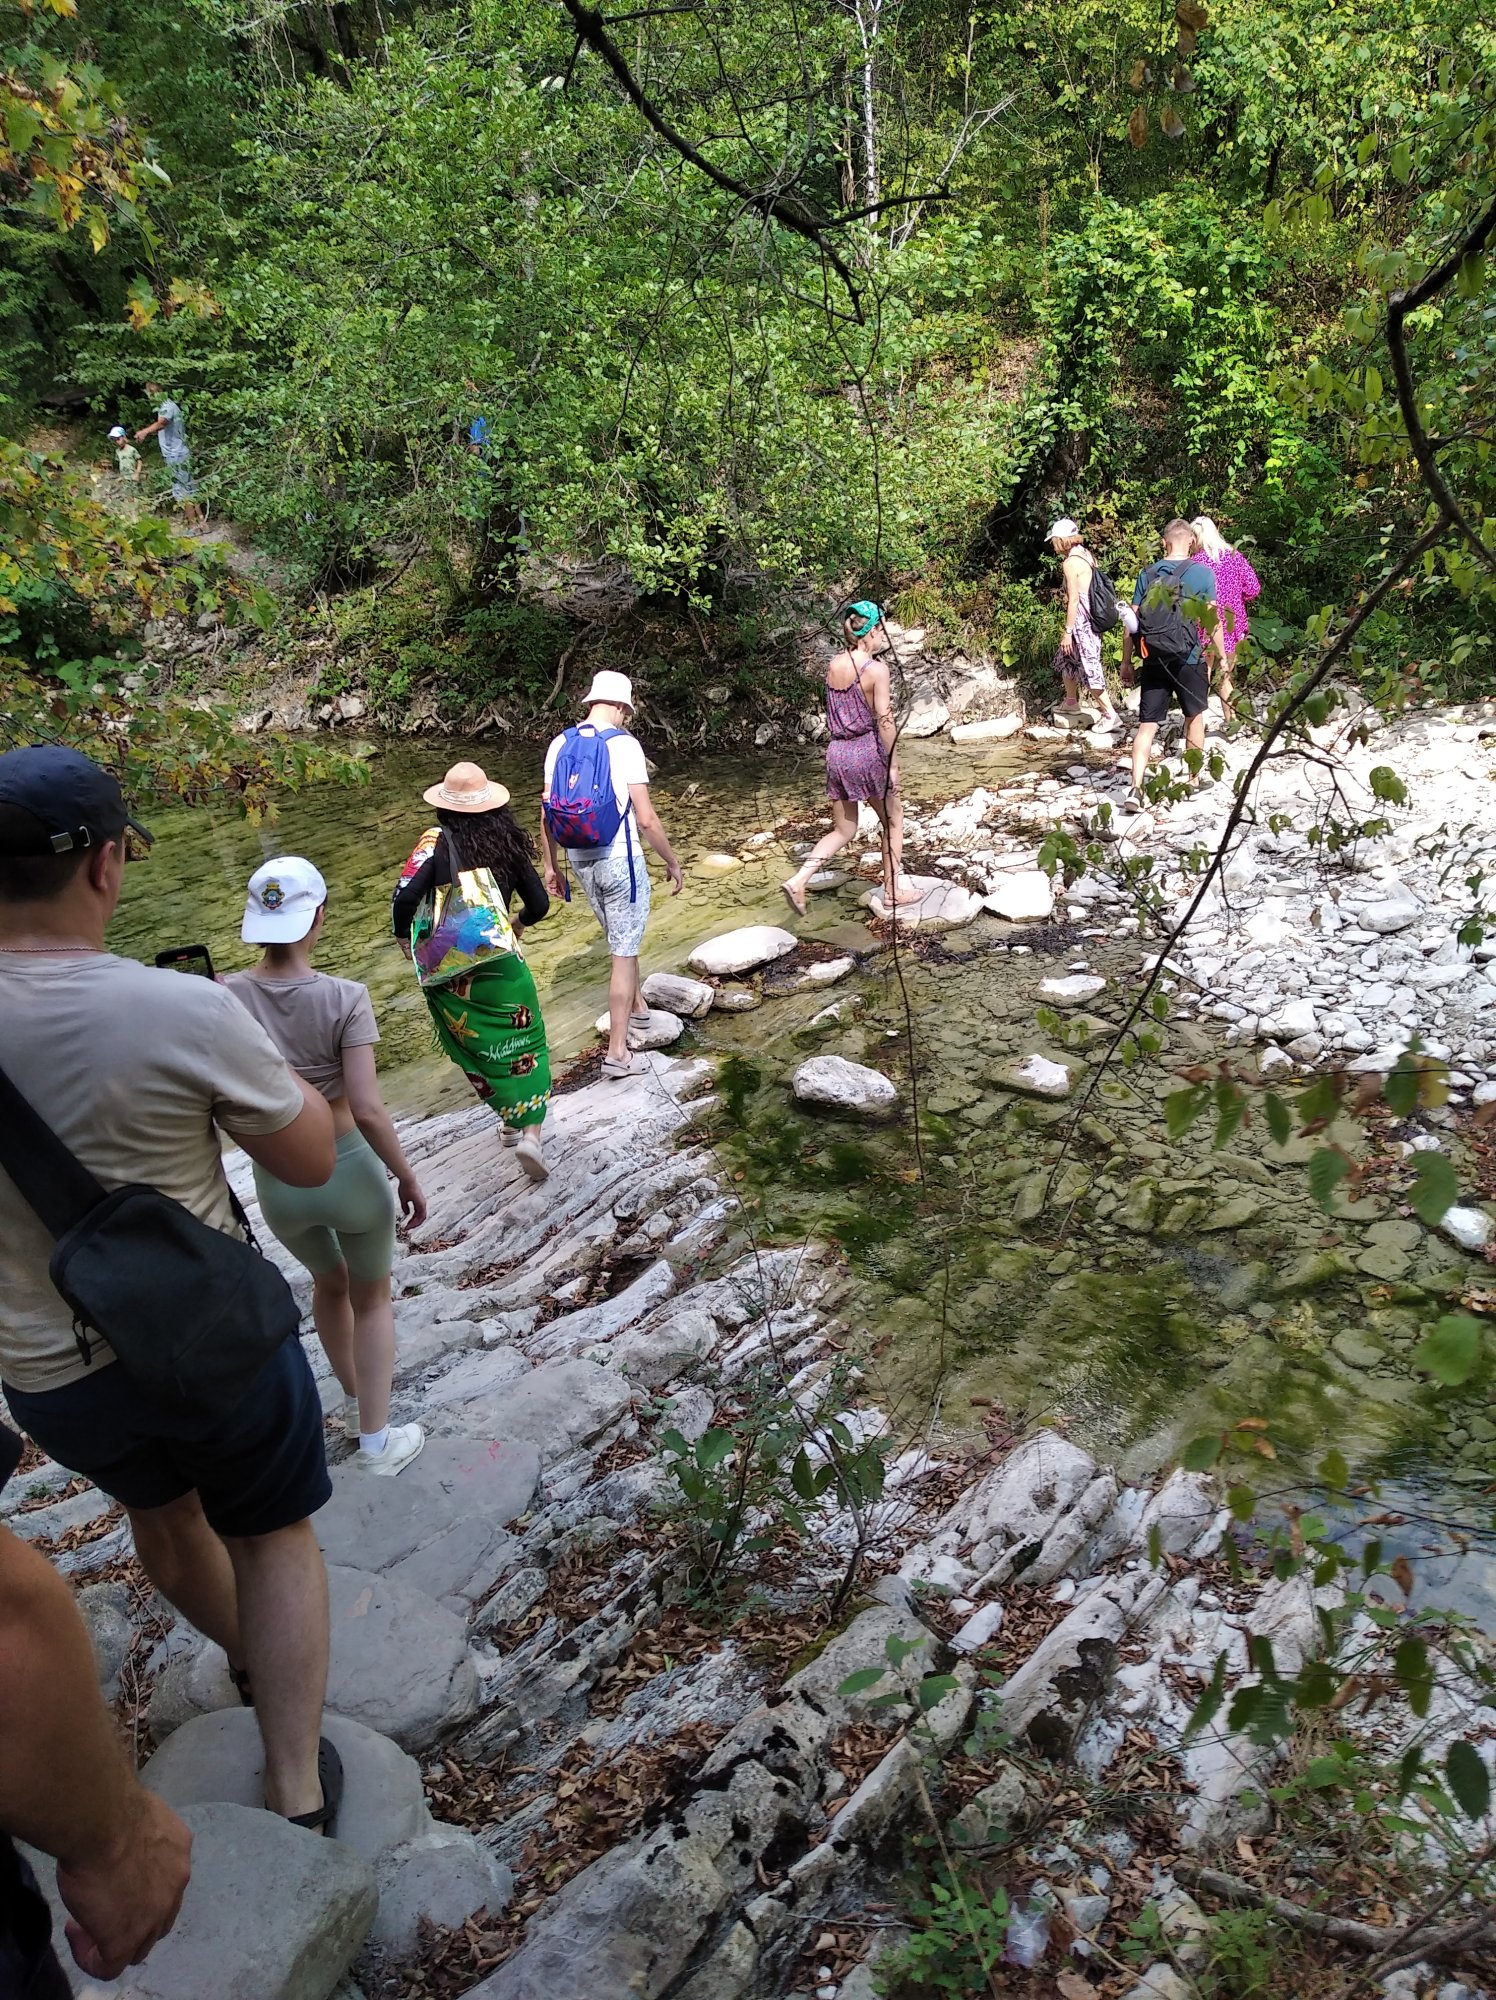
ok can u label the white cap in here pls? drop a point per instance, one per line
(284, 898)
(1063, 527)
(608, 686)
(118, 431)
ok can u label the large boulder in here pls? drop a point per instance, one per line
(400, 1660)
(440, 1525)
(659, 1032)
(848, 1087)
(220, 1760)
(690, 998)
(1026, 896)
(741, 950)
(272, 1912)
(939, 906)
(444, 1877)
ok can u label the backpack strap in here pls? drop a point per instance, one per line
(53, 1180)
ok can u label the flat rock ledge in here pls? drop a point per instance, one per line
(548, 1335)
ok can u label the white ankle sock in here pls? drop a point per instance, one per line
(374, 1442)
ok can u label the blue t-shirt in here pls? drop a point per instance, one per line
(478, 432)
(1194, 581)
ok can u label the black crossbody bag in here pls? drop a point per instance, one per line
(192, 1314)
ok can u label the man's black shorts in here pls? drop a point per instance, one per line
(1159, 686)
(260, 1469)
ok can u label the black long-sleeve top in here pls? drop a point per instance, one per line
(436, 869)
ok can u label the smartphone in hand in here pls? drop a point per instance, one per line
(187, 958)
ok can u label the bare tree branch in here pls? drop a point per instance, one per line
(1398, 307)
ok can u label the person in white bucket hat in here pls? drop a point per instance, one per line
(343, 1231)
(596, 811)
(1078, 657)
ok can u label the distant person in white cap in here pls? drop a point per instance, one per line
(1078, 659)
(127, 462)
(344, 1231)
(596, 811)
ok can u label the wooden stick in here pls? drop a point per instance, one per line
(1338, 1930)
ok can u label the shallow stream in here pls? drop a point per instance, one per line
(1170, 1289)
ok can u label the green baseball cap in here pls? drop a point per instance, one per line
(863, 616)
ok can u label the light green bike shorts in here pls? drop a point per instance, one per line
(349, 1218)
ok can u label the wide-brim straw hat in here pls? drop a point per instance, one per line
(467, 788)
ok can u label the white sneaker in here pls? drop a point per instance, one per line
(528, 1153)
(510, 1138)
(400, 1447)
(348, 1418)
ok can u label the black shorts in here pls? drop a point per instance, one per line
(1159, 686)
(262, 1468)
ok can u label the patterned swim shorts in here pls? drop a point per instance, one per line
(605, 884)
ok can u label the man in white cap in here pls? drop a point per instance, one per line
(597, 809)
(127, 460)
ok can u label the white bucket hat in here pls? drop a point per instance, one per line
(608, 686)
(284, 898)
(1063, 527)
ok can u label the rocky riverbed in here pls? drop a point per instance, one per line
(566, 1773)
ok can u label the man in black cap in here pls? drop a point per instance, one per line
(66, 1786)
(138, 1071)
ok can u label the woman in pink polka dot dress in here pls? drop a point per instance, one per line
(1236, 584)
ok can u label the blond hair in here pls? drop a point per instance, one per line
(1063, 545)
(1208, 538)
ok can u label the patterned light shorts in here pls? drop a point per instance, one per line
(605, 884)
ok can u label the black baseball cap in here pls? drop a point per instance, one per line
(57, 801)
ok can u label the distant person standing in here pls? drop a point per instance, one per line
(861, 764)
(170, 432)
(127, 463)
(596, 811)
(1236, 585)
(1078, 660)
(1173, 652)
(343, 1231)
(451, 916)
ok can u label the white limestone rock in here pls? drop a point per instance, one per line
(741, 950)
(674, 994)
(1036, 1076)
(1024, 897)
(1073, 989)
(996, 729)
(1469, 1227)
(941, 905)
(848, 1087)
(662, 1030)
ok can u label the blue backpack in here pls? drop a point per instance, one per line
(582, 809)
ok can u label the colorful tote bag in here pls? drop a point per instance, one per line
(461, 924)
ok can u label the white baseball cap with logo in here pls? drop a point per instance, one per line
(284, 898)
(1062, 529)
(118, 431)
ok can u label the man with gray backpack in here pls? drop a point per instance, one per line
(144, 1342)
(597, 810)
(1174, 601)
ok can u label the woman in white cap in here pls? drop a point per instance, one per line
(1078, 659)
(344, 1231)
(597, 810)
(451, 915)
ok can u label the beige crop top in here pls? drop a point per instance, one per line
(311, 1020)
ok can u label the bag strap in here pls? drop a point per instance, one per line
(53, 1180)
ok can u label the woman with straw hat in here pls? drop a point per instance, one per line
(451, 915)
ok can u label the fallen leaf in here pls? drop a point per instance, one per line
(1074, 1986)
(1401, 1572)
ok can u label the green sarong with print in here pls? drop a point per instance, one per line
(488, 1021)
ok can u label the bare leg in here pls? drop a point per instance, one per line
(1194, 734)
(283, 1611)
(1142, 744)
(373, 1350)
(190, 1567)
(890, 811)
(623, 994)
(843, 829)
(1072, 690)
(332, 1315)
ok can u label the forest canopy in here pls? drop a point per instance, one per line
(747, 295)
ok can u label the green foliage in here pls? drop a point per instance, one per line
(957, 1942)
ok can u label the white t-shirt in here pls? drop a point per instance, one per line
(625, 759)
(137, 1072)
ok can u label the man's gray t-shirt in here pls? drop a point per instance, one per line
(173, 440)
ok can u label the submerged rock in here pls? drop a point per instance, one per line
(1036, 1076)
(845, 1086)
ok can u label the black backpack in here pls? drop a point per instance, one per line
(1101, 599)
(192, 1314)
(1165, 635)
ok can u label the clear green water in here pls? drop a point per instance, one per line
(1134, 1340)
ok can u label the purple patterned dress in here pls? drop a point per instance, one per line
(856, 762)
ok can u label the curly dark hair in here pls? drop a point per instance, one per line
(493, 840)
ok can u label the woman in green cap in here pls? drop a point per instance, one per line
(860, 762)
